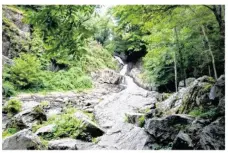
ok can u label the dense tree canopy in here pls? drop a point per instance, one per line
(179, 41)
(191, 35)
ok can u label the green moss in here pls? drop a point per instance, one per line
(44, 104)
(207, 87)
(200, 112)
(14, 9)
(141, 121)
(95, 140)
(166, 95)
(180, 126)
(8, 132)
(126, 119)
(210, 114)
(44, 143)
(211, 80)
(12, 107)
(196, 112)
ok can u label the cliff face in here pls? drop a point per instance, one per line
(15, 33)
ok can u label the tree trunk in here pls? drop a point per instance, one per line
(175, 71)
(219, 13)
(209, 70)
(183, 76)
(210, 51)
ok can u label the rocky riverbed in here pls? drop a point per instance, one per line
(125, 116)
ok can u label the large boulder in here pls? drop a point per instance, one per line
(27, 118)
(188, 81)
(22, 140)
(186, 99)
(91, 128)
(218, 90)
(164, 130)
(212, 136)
(172, 103)
(109, 76)
(197, 95)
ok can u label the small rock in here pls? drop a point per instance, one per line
(89, 110)
(59, 100)
(135, 118)
(22, 140)
(45, 129)
(63, 144)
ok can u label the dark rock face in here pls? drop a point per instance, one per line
(202, 133)
(182, 142)
(164, 130)
(212, 136)
(22, 140)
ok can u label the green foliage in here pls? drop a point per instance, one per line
(66, 125)
(207, 87)
(63, 29)
(196, 112)
(74, 78)
(12, 107)
(8, 89)
(95, 140)
(26, 71)
(97, 58)
(153, 26)
(141, 121)
(8, 132)
(211, 113)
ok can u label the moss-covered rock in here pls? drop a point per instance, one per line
(15, 33)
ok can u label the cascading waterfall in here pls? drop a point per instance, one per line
(128, 81)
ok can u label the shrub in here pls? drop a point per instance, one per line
(195, 112)
(72, 79)
(67, 125)
(210, 113)
(12, 107)
(26, 71)
(8, 89)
